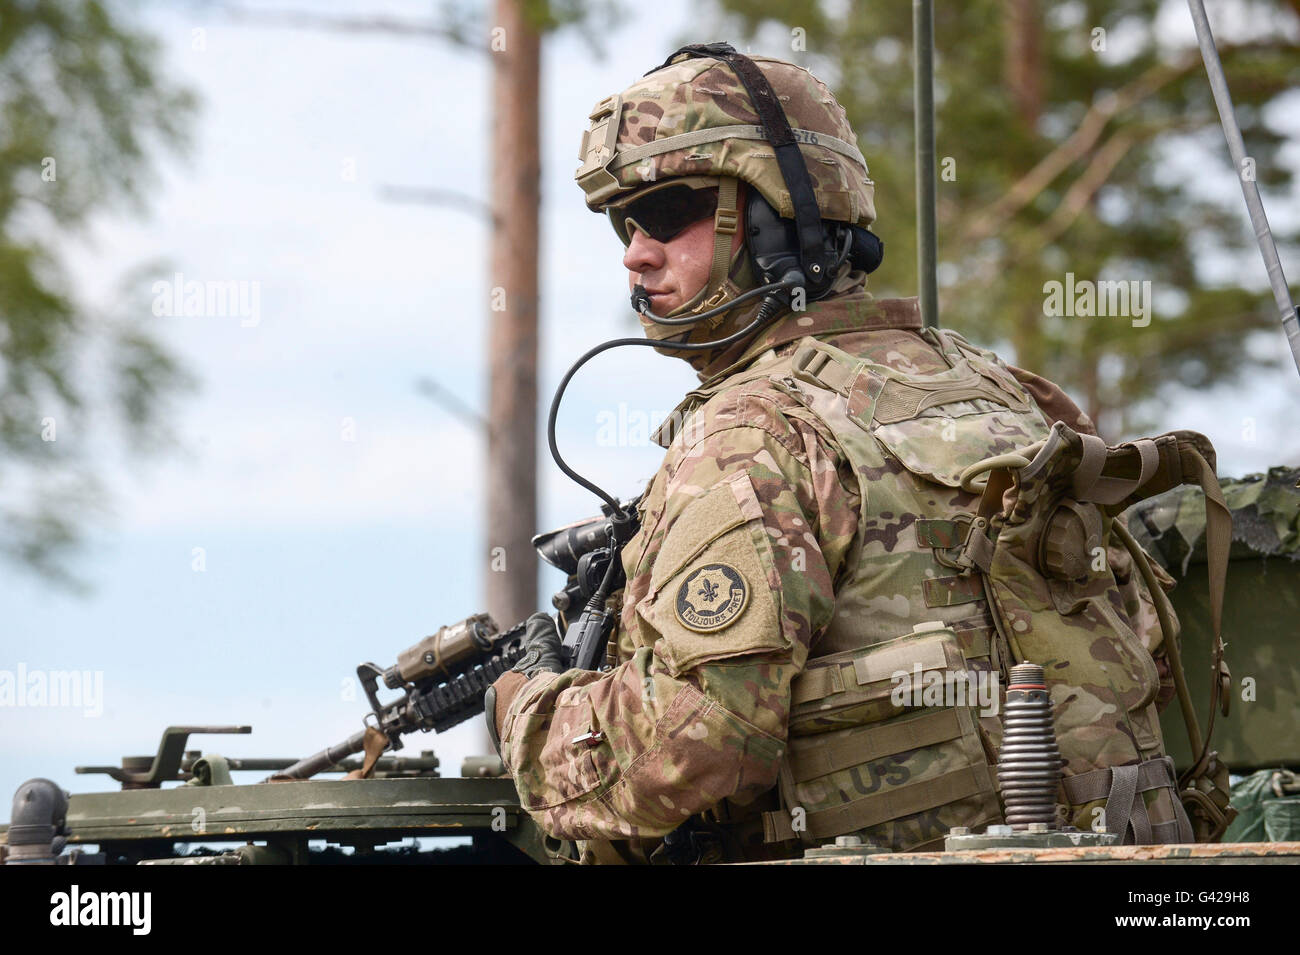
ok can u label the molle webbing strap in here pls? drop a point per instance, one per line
(1097, 784)
(845, 749)
(866, 666)
(978, 551)
(1091, 484)
(816, 685)
(1164, 833)
(1218, 531)
(977, 643)
(960, 783)
(817, 364)
(1119, 804)
(1122, 788)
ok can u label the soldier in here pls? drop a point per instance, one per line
(799, 565)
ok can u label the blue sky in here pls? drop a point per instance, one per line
(322, 552)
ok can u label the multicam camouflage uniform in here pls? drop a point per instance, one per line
(693, 717)
(774, 553)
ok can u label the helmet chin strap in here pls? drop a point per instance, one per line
(725, 221)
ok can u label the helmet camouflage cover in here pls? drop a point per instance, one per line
(694, 118)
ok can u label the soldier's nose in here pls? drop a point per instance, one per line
(643, 254)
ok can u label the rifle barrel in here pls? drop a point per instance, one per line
(306, 768)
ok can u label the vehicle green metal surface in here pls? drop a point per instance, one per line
(1261, 614)
(362, 814)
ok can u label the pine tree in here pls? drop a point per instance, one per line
(83, 105)
(1072, 137)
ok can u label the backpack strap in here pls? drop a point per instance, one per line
(1126, 811)
(1205, 786)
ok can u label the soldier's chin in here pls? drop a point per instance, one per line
(658, 333)
(665, 306)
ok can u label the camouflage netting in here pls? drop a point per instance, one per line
(1268, 806)
(1265, 520)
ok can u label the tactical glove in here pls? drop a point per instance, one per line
(542, 654)
(542, 647)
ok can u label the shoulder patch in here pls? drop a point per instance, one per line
(712, 597)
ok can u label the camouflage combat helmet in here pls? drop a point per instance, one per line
(694, 118)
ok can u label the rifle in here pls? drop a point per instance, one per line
(442, 678)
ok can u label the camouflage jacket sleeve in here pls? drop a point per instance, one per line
(729, 579)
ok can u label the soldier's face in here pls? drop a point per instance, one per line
(673, 272)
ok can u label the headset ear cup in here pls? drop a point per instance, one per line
(867, 251)
(771, 240)
(773, 244)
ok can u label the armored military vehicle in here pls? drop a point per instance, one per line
(183, 806)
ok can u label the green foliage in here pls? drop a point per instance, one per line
(81, 106)
(1114, 129)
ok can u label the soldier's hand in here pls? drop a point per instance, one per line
(542, 647)
(542, 654)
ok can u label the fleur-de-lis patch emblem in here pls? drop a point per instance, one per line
(711, 597)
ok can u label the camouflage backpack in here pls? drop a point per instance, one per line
(1010, 570)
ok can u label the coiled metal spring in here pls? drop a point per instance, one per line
(1029, 764)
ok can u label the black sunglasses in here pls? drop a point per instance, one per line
(664, 212)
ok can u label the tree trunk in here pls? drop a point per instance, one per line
(512, 317)
(1023, 63)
